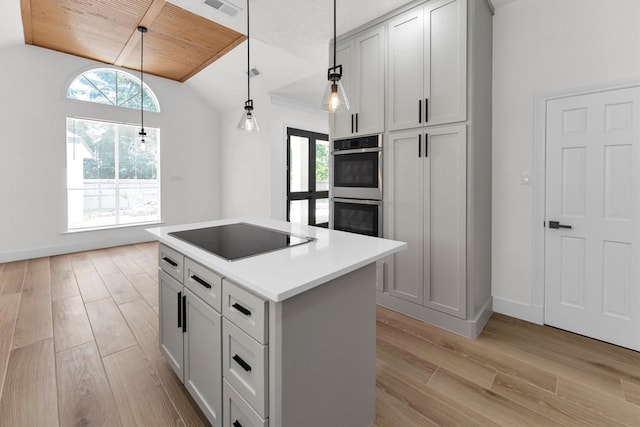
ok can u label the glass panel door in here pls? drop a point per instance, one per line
(307, 177)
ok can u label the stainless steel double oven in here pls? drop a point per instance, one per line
(356, 185)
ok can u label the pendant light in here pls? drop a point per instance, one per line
(142, 133)
(335, 99)
(248, 120)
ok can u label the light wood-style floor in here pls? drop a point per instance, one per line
(79, 346)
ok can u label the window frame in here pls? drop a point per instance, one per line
(119, 115)
(311, 195)
(147, 90)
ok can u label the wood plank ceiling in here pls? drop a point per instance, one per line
(177, 46)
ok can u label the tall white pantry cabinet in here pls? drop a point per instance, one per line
(437, 161)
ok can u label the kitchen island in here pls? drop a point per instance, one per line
(282, 338)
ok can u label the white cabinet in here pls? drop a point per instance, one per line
(426, 207)
(202, 344)
(437, 170)
(171, 334)
(362, 59)
(428, 65)
(190, 329)
(245, 333)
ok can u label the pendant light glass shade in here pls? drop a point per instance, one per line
(248, 120)
(335, 99)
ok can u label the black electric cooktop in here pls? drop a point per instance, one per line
(241, 240)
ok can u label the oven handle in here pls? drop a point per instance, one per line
(359, 201)
(357, 150)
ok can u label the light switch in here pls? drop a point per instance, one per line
(526, 178)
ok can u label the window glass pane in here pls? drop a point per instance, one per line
(299, 211)
(128, 91)
(322, 211)
(82, 90)
(299, 163)
(110, 179)
(105, 82)
(322, 165)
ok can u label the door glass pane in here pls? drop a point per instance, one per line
(299, 211)
(299, 164)
(322, 211)
(322, 166)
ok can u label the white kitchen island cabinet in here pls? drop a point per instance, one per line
(285, 338)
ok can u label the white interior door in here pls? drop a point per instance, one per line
(592, 270)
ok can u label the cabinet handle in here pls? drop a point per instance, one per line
(184, 313)
(356, 122)
(180, 310)
(426, 145)
(236, 423)
(426, 110)
(420, 145)
(170, 261)
(352, 123)
(244, 365)
(241, 309)
(202, 282)
(419, 110)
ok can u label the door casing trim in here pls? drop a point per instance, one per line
(539, 179)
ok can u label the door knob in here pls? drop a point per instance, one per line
(556, 225)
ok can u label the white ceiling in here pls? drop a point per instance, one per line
(289, 45)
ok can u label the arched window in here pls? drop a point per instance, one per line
(111, 87)
(112, 179)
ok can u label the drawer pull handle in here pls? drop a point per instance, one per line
(180, 310)
(241, 309)
(242, 363)
(236, 423)
(202, 282)
(170, 261)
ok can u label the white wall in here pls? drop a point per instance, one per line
(33, 111)
(540, 48)
(253, 164)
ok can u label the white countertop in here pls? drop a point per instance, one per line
(284, 273)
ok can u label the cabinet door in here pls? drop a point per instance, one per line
(445, 41)
(202, 352)
(406, 70)
(445, 195)
(368, 83)
(171, 336)
(404, 212)
(341, 123)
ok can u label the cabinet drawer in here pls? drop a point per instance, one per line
(246, 310)
(244, 365)
(204, 283)
(237, 412)
(172, 262)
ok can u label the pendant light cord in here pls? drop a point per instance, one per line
(142, 31)
(142, 133)
(248, 56)
(334, 34)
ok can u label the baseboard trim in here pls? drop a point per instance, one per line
(467, 328)
(529, 312)
(70, 248)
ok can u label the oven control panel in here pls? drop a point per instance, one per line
(372, 141)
